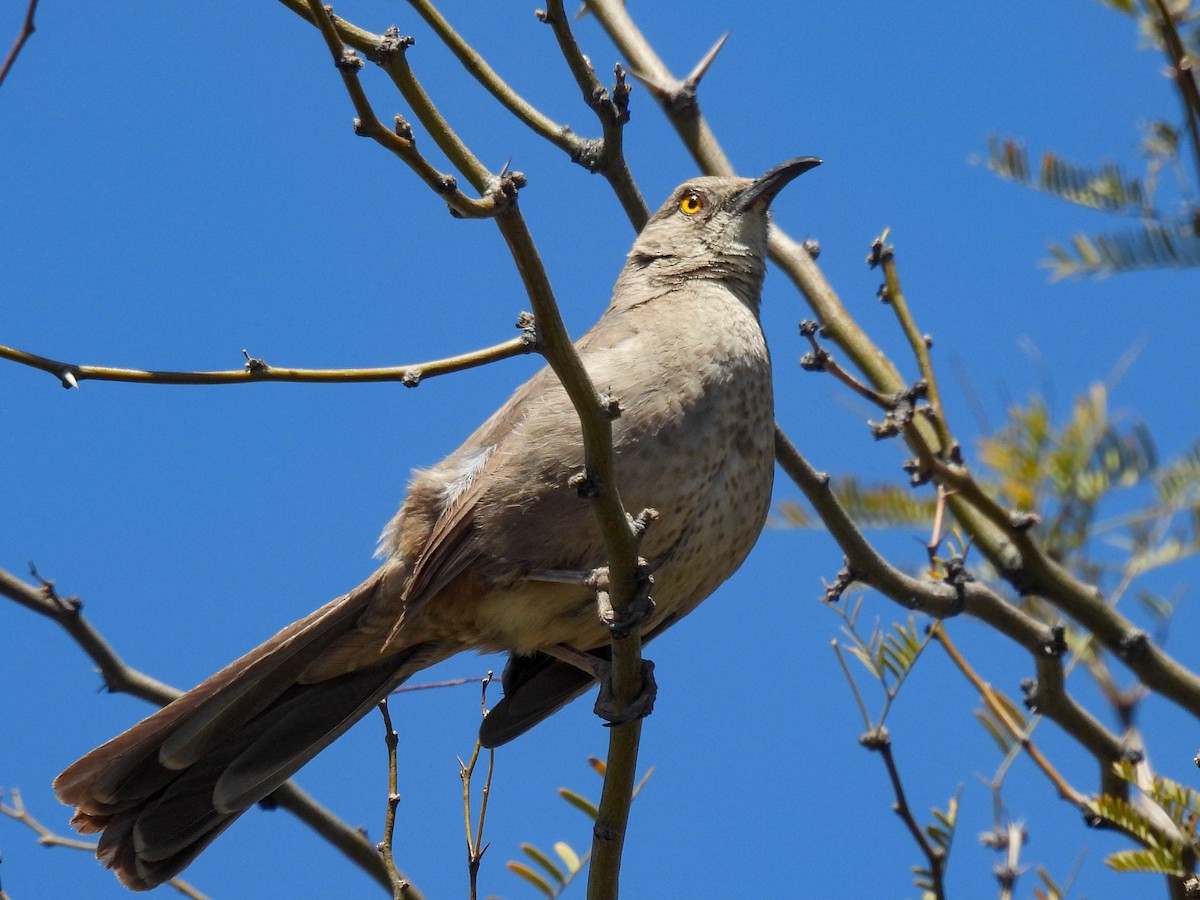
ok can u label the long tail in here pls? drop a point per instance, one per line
(163, 790)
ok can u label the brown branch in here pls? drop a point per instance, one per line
(498, 192)
(477, 67)
(255, 370)
(894, 297)
(475, 845)
(121, 678)
(1183, 71)
(950, 596)
(27, 30)
(16, 810)
(999, 709)
(621, 533)
(607, 156)
(400, 888)
(880, 741)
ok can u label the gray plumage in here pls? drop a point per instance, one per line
(489, 550)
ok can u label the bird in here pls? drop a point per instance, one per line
(492, 547)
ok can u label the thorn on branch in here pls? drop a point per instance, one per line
(881, 252)
(1057, 645)
(404, 130)
(349, 62)
(815, 360)
(1024, 521)
(902, 407)
(411, 378)
(254, 365)
(611, 405)
(876, 739)
(883, 295)
(620, 95)
(67, 376)
(812, 247)
(584, 484)
(844, 578)
(1029, 692)
(543, 16)
(528, 326)
(392, 42)
(1133, 646)
(46, 585)
(680, 96)
(918, 474)
(504, 189)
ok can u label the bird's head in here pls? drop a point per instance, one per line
(713, 226)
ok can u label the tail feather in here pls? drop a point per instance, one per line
(162, 791)
(107, 779)
(310, 719)
(258, 685)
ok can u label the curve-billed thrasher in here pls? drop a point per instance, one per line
(491, 549)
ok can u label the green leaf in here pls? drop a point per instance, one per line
(1150, 246)
(568, 855)
(1104, 188)
(543, 859)
(579, 802)
(531, 876)
(1155, 860)
(883, 505)
(995, 730)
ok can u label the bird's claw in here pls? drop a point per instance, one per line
(640, 608)
(641, 706)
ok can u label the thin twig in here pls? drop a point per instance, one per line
(16, 810)
(1183, 71)
(401, 889)
(999, 709)
(612, 111)
(27, 30)
(498, 193)
(119, 677)
(894, 296)
(475, 846)
(256, 370)
(881, 742)
(529, 115)
(941, 599)
(431, 685)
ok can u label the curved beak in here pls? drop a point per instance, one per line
(763, 190)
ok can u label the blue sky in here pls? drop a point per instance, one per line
(181, 183)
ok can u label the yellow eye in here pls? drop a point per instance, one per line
(691, 204)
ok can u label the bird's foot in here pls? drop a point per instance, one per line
(641, 706)
(640, 608)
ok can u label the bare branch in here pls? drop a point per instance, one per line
(27, 30)
(255, 370)
(119, 677)
(499, 192)
(16, 810)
